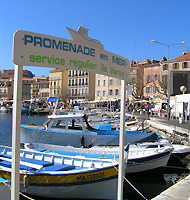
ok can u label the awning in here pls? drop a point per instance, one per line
(52, 99)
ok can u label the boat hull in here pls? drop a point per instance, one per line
(98, 190)
(78, 139)
(52, 176)
(148, 163)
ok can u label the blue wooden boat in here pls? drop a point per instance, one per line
(62, 176)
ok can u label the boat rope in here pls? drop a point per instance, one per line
(27, 197)
(130, 184)
(8, 185)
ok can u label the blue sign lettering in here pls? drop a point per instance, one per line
(59, 45)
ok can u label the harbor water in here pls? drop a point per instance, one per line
(148, 184)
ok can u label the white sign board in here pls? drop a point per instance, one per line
(34, 49)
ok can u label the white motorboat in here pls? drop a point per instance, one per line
(73, 129)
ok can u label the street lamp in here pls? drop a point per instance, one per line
(168, 87)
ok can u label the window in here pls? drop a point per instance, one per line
(86, 81)
(69, 82)
(72, 82)
(165, 67)
(111, 81)
(155, 77)
(69, 73)
(185, 65)
(104, 83)
(148, 68)
(155, 89)
(86, 91)
(156, 67)
(148, 90)
(98, 93)
(117, 81)
(83, 81)
(72, 92)
(111, 92)
(98, 82)
(148, 78)
(116, 92)
(76, 92)
(79, 81)
(104, 93)
(175, 65)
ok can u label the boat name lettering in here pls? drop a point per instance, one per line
(90, 177)
(58, 44)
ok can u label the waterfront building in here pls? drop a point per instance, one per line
(6, 89)
(72, 85)
(40, 87)
(179, 73)
(107, 88)
(26, 88)
(58, 81)
(81, 86)
(9, 74)
(145, 79)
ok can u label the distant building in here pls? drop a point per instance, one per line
(58, 82)
(40, 87)
(145, 79)
(72, 85)
(6, 89)
(26, 88)
(9, 74)
(107, 88)
(179, 73)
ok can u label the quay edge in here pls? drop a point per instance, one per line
(179, 191)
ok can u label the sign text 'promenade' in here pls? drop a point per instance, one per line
(34, 49)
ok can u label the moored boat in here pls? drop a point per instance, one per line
(73, 129)
(140, 158)
(62, 176)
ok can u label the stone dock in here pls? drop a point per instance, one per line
(180, 190)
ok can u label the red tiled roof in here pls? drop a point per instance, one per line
(186, 56)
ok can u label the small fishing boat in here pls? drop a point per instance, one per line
(62, 176)
(140, 158)
(73, 129)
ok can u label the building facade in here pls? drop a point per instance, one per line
(40, 87)
(145, 79)
(179, 70)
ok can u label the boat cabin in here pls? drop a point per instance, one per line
(69, 121)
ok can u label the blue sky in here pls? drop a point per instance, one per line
(124, 27)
